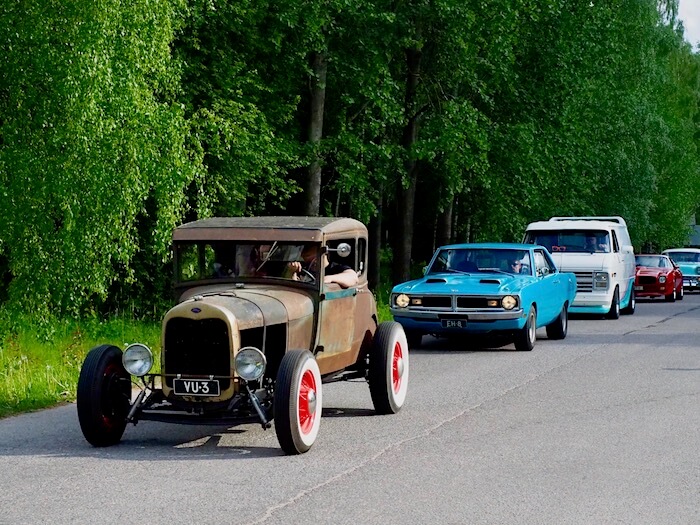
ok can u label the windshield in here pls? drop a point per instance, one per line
(470, 260)
(653, 261)
(196, 261)
(685, 257)
(571, 241)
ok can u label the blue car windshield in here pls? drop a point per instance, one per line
(472, 260)
(685, 257)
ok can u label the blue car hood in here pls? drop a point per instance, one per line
(482, 283)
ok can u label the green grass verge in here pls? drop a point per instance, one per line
(40, 362)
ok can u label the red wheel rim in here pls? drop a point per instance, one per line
(396, 367)
(307, 401)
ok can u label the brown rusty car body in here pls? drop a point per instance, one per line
(249, 340)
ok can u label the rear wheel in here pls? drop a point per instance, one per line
(526, 336)
(614, 312)
(297, 404)
(560, 326)
(388, 368)
(103, 396)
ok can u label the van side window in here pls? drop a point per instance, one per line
(616, 245)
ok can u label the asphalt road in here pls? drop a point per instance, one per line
(602, 427)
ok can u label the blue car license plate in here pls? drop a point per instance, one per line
(196, 387)
(454, 323)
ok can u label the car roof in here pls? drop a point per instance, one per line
(574, 224)
(491, 245)
(674, 250)
(272, 228)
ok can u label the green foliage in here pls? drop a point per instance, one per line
(120, 121)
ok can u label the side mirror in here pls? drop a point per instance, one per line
(425, 270)
(627, 248)
(343, 249)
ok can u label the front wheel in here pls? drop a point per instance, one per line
(680, 293)
(388, 368)
(671, 297)
(614, 312)
(297, 404)
(525, 337)
(103, 396)
(560, 326)
(632, 305)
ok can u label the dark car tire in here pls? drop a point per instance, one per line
(560, 326)
(614, 312)
(630, 308)
(388, 368)
(414, 339)
(525, 337)
(297, 405)
(671, 297)
(103, 396)
(680, 293)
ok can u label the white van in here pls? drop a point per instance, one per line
(599, 251)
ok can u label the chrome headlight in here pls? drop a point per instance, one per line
(662, 279)
(509, 302)
(250, 363)
(137, 359)
(601, 280)
(402, 300)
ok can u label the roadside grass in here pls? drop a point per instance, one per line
(40, 363)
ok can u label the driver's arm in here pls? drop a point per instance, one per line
(346, 278)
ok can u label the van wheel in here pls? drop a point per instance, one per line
(558, 328)
(629, 309)
(614, 312)
(526, 336)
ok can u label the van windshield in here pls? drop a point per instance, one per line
(571, 241)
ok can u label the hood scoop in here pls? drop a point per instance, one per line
(436, 280)
(489, 281)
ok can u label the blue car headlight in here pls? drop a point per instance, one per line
(509, 302)
(402, 300)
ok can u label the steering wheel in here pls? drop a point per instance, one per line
(306, 276)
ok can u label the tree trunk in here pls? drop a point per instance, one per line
(374, 248)
(317, 87)
(444, 227)
(406, 193)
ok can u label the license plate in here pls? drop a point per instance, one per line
(454, 323)
(639, 288)
(196, 387)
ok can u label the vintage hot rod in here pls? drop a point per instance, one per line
(251, 339)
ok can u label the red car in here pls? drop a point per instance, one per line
(658, 276)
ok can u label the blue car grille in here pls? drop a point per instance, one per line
(447, 301)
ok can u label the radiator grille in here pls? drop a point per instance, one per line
(197, 348)
(646, 279)
(584, 281)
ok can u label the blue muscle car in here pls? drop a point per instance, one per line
(481, 288)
